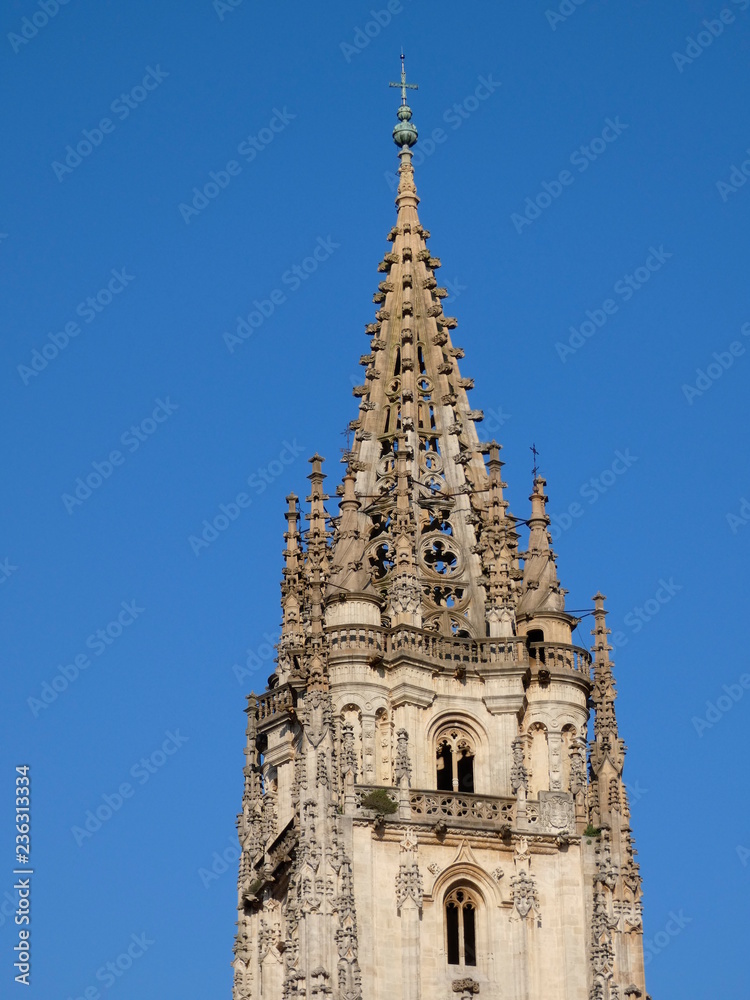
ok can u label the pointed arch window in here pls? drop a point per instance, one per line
(461, 927)
(455, 761)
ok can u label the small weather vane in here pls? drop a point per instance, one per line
(535, 453)
(403, 84)
(348, 435)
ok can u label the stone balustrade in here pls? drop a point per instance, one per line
(273, 703)
(423, 644)
(451, 807)
(560, 656)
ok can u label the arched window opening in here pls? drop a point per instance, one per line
(455, 762)
(534, 636)
(420, 356)
(460, 928)
(465, 771)
(445, 768)
(397, 366)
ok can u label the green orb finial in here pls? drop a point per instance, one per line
(405, 133)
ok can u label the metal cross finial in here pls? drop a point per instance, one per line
(535, 453)
(348, 435)
(403, 84)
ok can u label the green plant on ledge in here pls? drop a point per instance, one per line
(592, 831)
(380, 801)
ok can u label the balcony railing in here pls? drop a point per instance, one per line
(387, 644)
(455, 807)
(560, 656)
(277, 701)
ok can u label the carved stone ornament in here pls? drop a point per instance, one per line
(317, 717)
(557, 811)
(518, 776)
(524, 895)
(405, 595)
(409, 884)
(468, 987)
(403, 763)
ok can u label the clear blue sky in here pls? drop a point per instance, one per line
(293, 98)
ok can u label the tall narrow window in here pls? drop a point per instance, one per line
(445, 768)
(455, 761)
(536, 635)
(460, 928)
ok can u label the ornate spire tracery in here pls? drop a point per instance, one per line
(416, 454)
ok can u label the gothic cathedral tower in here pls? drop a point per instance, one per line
(422, 816)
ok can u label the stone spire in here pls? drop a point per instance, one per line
(617, 955)
(540, 590)
(425, 730)
(420, 475)
(607, 749)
